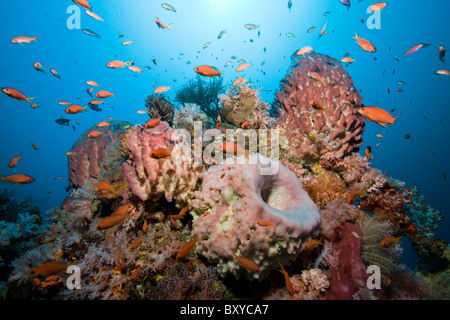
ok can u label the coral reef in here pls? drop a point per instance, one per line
(318, 109)
(87, 154)
(326, 186)
(152, 178)
(321, 211)
(241, 104)
(335, 213)
(204, 93)
(242, 211)
(159, 107)
(186, 115)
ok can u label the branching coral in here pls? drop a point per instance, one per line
(334, 214)
(204, 93)
(158, 106)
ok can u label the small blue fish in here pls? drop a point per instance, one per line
(91, 33)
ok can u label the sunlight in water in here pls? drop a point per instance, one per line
(220, 5)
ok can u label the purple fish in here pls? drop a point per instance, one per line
(345, 3)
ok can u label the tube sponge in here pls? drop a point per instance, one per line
(243, 211)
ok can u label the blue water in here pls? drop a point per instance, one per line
(421, 160)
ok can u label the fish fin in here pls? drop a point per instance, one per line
(397, 117)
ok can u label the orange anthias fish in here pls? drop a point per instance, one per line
(311, 244)
(161, 153)
(23, 39)
(368, 154)
(35, 147)
(135, 69)
(104, 187)
(103, 124)
(208, 71)
(111, 221)
(17, 179)
(16, 94)
(162, 25)
(83, 3)
(74, 109)
(378, 6)
(92, 83)
(181, 214)
(96, 102)
(232, 148)
(219, 122)
(116, 64)
(303, 51)
(377, 115)
(14, 161)
(318, 106)
(48, 268)
(95, 134)
(443, 72)
(161, 89)
(104, 94)
(287, 280)
(245, 124)
(152, 123)
(390, 241)
(93, 15)
(247, 263)
(136, 243)
(316, 77)
(185, 249)
(266, 224)
(347, 60)
(239, 81)
(242, 67)
(364, 44)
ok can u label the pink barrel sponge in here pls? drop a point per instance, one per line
(318, 107)
(246, 211)
(151, 178)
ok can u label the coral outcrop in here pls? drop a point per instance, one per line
(174, 177)
(87, 154)
(241, 104)
(319, 109)
(158, 106)
(243, 211)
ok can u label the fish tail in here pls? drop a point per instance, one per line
(397, 117)
(28, 99)
(35, 39)
(356, 36)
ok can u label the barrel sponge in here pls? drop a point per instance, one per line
(243, 210)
